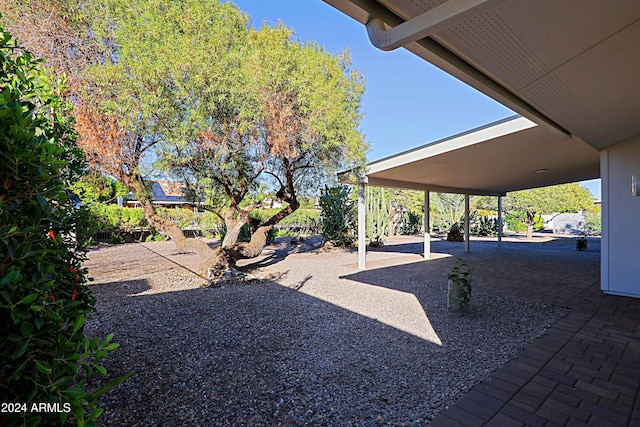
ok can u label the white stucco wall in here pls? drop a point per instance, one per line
(620, 267)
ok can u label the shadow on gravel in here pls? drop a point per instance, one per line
(265, 355)
(282, 249)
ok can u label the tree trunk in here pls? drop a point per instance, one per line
(224, 258)
(531, 217)
(233, 226)
(167, 227)
(392, 227)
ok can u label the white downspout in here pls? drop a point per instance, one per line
(423, 25)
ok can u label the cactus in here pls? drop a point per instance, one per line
(377, 216)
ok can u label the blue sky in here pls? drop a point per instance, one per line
(408, 102)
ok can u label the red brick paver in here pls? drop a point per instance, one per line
(584, 371)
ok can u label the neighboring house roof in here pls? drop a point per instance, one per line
(571, 67)
(167, 193)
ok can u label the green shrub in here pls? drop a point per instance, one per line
(118, 218)
(514, 223)
(338, 217)
(43, 297)
(412, 224)
(594, 221)
(185, 218)
(483, 226)
(210, 224)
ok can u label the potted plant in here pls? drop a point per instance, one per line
(581, 243)
(459, 290)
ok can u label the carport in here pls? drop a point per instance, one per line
(508, 155)
(570, 66)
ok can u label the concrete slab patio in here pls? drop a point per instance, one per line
(584, 371)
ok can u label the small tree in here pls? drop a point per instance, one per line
(530, 204)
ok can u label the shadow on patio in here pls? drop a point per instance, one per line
(584, 371)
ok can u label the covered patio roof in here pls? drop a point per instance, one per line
(571, 66)
(508, 155)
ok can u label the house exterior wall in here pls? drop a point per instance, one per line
(620, 266)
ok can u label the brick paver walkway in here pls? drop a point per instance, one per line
(584, 371)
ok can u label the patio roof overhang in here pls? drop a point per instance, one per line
(511, 154)
(571, 66)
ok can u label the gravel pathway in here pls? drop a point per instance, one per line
(309, 347)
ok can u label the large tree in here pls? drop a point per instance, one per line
(229, 106)
(59, 32)
(528, 204)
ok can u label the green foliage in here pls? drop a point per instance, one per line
(185, 218)
(483, 226)
(413, 224)
(95, 187)
(234, 107)
(118, 218)
(307, 202)
(530, 204)
(376, 215)
(43, 297)
(210, 223)
(406, 210)
(449, 209)
(519, 223)
(338, 217)
(459, 293)
(487, 204)
(246, 232)
(300, 222)
(301, 217)
(593, 217)
(514, 223)
(87, 225)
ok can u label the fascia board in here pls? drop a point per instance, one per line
(456, 142)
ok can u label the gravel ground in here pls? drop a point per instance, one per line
(311, 346)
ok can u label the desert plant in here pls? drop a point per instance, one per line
(483, 226)
(412, 224)
(455, 234)
(376, 216)
(459, 291)
(245, 233)
(593, 217)
(338, 215)
(581, 243)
